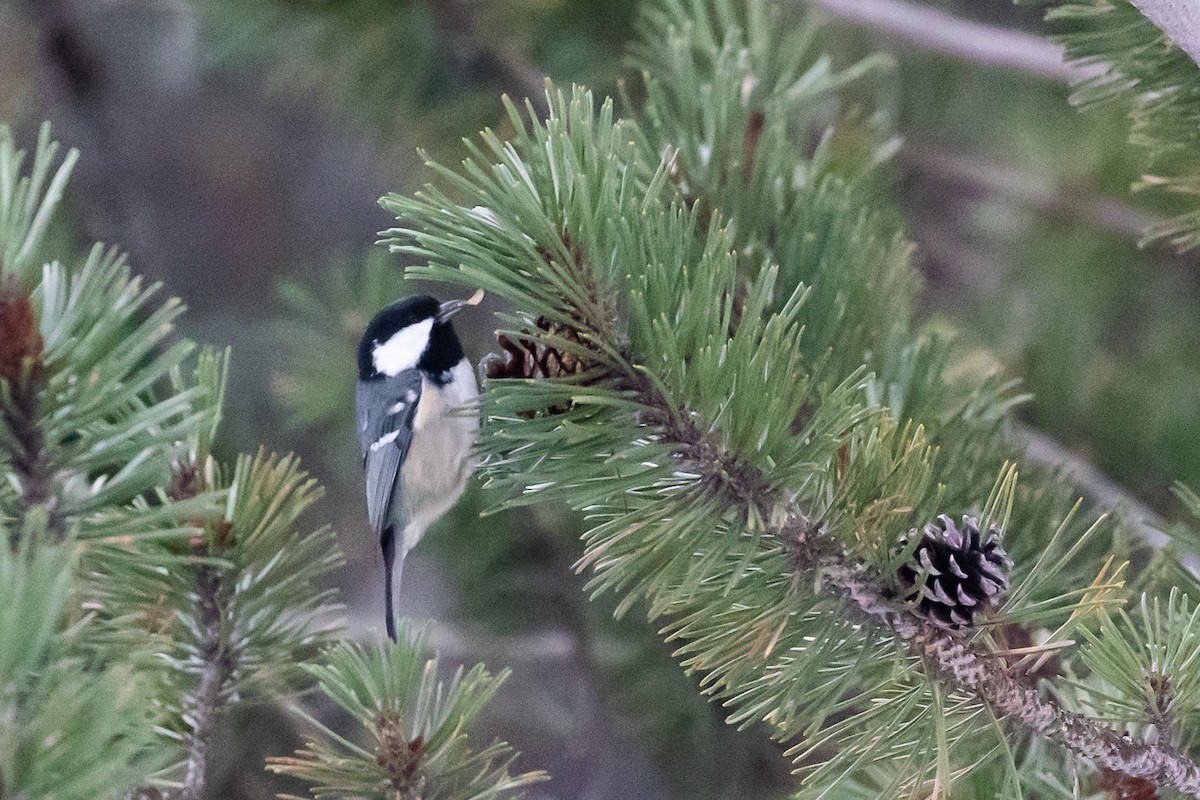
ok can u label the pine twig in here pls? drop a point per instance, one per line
(1143, 520)
(949, 657)
(956, 660)
(936, 31)
(1041, 449)
(217, 662)
(216, 671)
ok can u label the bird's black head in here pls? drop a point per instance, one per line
(414, 332)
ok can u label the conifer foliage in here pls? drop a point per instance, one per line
(760, 424)
(425, 754)
(146, 587)
(710, 353)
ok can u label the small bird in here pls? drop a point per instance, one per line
(415, 437)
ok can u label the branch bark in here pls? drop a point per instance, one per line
(216, 670)
(951, 658)
(936, 31)
(1178, 19)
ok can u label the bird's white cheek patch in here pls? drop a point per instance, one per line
(403, 350)
(384, 441)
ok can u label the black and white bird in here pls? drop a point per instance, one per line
(415, 435)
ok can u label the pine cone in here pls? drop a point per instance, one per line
(526, 357)
(20, 342)
(529, 357)
(962, 572)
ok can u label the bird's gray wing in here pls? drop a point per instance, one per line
(385, 414)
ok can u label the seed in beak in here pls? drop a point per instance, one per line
(451, 307)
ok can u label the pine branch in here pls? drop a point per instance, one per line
(244, 591)
(227, 613)
(70, 731)
(957, 661)
(210, 599)
(681, 422)
(752, 486)
(1013, 695)
(85, 427)
(77, 445)
(1041, 449)
(1145, 69)
(415, 729)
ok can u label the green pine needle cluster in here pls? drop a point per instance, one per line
(104, 346)
(74, 731)
(28, 200)
(756, 403)
(416, 729)
(1147, 663)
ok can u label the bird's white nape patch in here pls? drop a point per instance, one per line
(384, 441)
(403, 350)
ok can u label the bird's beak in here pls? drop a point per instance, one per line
(451, 307)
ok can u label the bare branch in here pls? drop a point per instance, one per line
(1141, 518)
(929, 29)
(1178, 19)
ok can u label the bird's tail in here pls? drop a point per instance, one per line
(388, 543)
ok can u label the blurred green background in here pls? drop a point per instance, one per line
(237, 149)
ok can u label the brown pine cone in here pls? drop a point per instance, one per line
(20, 341)
(529, 357)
